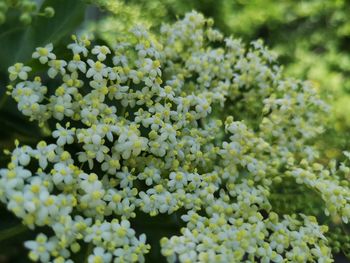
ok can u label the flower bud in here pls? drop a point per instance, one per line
(25, 18)
(49, 12)
(29, 6)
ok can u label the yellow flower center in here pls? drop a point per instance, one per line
(43, 52)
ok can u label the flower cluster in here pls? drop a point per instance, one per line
(223, 239)
(190, 122)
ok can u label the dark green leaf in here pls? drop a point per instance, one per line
(18, 41)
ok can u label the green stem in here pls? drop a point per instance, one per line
(3, 100)
(123, 112)
(88, 252)
(12, 232)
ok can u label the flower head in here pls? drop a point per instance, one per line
(44, 53)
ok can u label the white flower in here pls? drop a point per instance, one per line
(40, 248)
(45, 153)
(111, 163)
(19, 70)
(101, 52)
(126, 178)
(78, 47)
(62, 173)
(44, 53)
(120, 59)
(129, 143)
(56, 66)
(150, 175)
(177, 180)
(76, 63)
(347, 154)
(93, 152)
(62, 106)
(100, 256)
(22, 155)
(63, 135)
(97, 70)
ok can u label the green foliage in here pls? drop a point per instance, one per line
(23, 39)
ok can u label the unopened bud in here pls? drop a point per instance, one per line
(25, 18)
(49, 11)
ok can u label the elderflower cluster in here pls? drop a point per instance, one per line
(223, 239)
(191, 123)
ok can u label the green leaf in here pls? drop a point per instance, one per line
(12, 232)
(18, 41)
